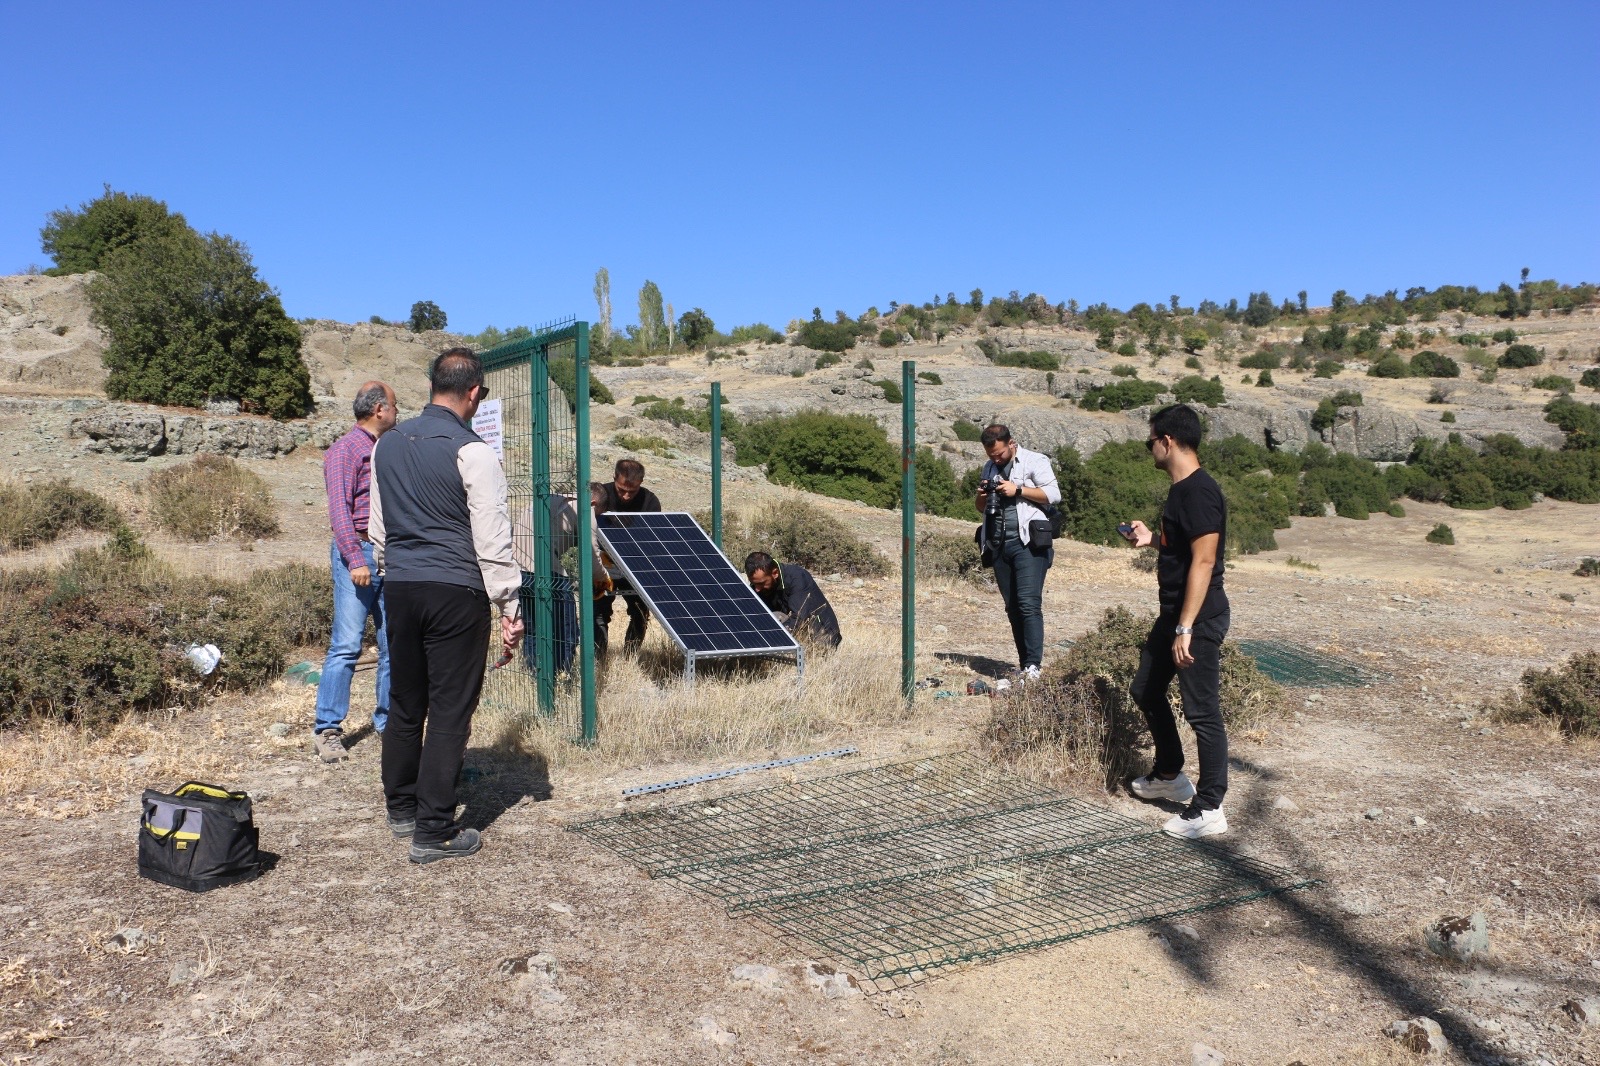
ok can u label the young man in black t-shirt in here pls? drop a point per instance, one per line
(1187, 637)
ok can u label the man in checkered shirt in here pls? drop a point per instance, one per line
(357, 587)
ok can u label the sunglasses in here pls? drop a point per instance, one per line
(483, 392)
(1150, 444)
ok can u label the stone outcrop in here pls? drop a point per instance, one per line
(135, 432)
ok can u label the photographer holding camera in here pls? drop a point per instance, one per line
(1016, 488)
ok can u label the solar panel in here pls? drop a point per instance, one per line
(698, 596)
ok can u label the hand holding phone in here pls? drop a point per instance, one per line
(1126, 530)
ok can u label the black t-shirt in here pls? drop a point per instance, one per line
(1195, 506)
(643, 500)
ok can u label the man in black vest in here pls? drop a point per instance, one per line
(626, 494)
(442, 540)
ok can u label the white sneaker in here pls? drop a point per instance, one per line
(1030, 673)
(1195, 823)
(1151, 787)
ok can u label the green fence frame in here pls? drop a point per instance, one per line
(542, 383)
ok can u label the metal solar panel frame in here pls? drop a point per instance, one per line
(792, 648)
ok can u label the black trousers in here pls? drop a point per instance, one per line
(438, 643)
(638, 620)
(1200, 685)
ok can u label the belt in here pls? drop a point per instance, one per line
(364, 538)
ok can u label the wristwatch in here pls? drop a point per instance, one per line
(1183, 631)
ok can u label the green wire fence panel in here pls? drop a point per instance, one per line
(1300, 667)
(900, 871)
(540, 386)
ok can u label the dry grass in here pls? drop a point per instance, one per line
(37, 514)
(648, 715)
(212, 496)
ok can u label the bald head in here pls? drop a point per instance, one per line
(374, 407)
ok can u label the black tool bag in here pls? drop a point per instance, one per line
(198, 838)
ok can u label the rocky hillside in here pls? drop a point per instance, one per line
(49, 351)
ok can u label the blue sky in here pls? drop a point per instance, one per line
(759, 160)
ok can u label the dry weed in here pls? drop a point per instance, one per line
(212, 495)
(648, 714)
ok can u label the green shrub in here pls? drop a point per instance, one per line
(826, 336)
(951, 555)
(968, 431)
(1589, 567)
(1568, 696)
(103, 635)
(638, 443)
(827, 359)
(1430, 364)
(848, 457)
(1080, 718)
(930, 377)
(1520, 355)
(1347, 398)
(564, 376)
(1123, 370)
(1327, 368)
(1440, 534)
(891, 390)
(1590, 378)
(755, 333)
(1397, 510)
(38, 514)
(1266, 359)
(1029, 360)
(187, 320)
(1264, 379)
(1504, 336)
(888, 338)
(1192, 363)
(1127, 348)
(678, 413)
(1196, 389)
(210, 496)
(1478, 357)
(1389, 366)
(1447, 416)
(865, 364)
(1121, 395)
(1553, 383)
(795, 531)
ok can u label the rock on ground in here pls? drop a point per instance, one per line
(1421, 1035)
(1460, 938)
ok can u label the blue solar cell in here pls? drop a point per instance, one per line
(698, 595)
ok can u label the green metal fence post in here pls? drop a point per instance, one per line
(908, 528)
(542, 625)
(716, 463)
(584, 593)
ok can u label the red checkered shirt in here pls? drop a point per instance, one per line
(347, 471)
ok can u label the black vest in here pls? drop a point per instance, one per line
(427, 526)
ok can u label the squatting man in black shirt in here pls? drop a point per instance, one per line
(1186, 639)
(625, 494)
(791, 593)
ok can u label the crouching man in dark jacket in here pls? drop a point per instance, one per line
(791, 593)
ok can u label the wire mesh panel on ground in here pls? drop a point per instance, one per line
(539, 403)
(1301, 667)
(903, 870)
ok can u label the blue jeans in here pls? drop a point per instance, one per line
(351, 607)
(1019, 571)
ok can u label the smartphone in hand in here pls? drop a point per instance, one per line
(1126, 530)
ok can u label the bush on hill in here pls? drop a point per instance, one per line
(795, 531)
(1122, 395)
(1430, 364)
(37, 514)
(1520, 355)
(210, 496)
(1195, 389)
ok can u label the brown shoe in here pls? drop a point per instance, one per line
(330, 746)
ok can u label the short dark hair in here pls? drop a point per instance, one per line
(995, 434)
(630, 470)
(455, 372)
(1180, 422)
(367, 401)
(758, 561)
(597, 492)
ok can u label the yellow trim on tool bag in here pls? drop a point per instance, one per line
(214, 793)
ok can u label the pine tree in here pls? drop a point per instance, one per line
(602, 299)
